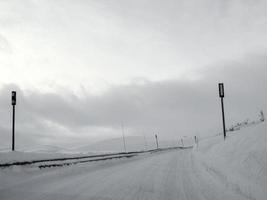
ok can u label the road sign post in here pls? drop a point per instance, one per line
(157, 141)
(221, 94)
(123, 137)
(13, 102)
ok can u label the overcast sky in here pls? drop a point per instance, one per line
(82, 67)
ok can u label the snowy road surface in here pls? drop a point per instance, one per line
(165, 175)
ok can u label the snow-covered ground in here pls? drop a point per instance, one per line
(240, 161)
(216, 169)
(16, 156)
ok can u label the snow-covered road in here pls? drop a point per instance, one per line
(164, 175)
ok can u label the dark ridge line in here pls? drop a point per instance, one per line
(85, 161)
(4, 165)
(62, 159)
(110, 158)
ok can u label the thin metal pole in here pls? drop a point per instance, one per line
(224, 131)
(157, 141)
(145, 142)
(13, 129)
(122, 128)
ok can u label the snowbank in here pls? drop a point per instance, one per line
(16, 156)
(240, 161)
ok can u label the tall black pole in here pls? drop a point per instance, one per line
(224, 131)
(13, 129)
(13, 102)
(221, 94)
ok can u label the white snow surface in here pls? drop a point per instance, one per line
(234, 169)
(240, 161)
(17, 156)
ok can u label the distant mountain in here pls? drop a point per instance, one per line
(133, 143)
(45, 149)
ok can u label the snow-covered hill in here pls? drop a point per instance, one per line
(240, 161)
(215, 169)
(133, 143)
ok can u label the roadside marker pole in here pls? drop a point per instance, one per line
(145, 142)
(13, 102)
(221, 94)
(123, 137)
(157, 141)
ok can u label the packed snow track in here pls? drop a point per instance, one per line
(165, 175)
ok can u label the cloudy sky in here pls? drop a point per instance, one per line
(82, 67)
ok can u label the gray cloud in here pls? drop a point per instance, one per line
(171, 108)
(125, 39)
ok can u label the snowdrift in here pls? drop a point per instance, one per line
(240, 161)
